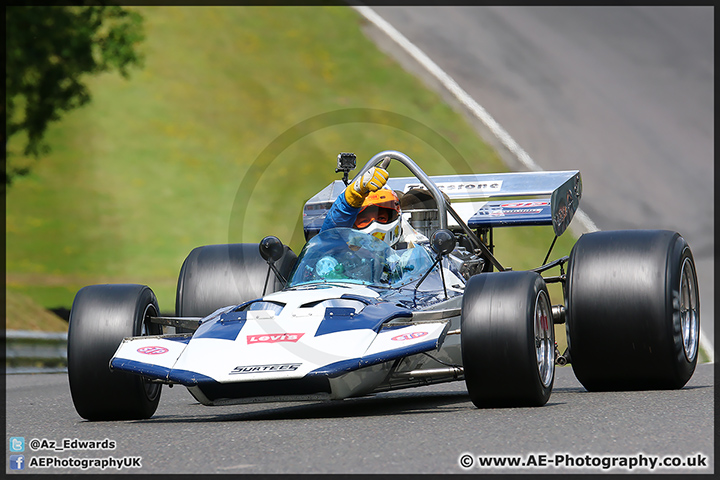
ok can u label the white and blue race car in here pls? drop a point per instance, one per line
(350, 316)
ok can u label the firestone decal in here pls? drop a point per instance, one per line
(151, 350)
(274, 338)
(279, 367)
(451, 187)
(409, 336)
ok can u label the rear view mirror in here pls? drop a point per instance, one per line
(271, 249)
(443, 242)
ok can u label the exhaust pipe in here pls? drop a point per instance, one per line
(430, 374)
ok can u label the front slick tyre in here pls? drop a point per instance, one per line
(508, 340)
(101, 316)
(633, 318)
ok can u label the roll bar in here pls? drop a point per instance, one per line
(388, 155)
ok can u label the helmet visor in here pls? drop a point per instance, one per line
(375, 213)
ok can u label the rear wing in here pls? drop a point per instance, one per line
(522, 198)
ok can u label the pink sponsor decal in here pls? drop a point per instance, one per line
(274, 338)
(152, 350)
(409, 336)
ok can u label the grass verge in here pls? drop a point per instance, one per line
(153, 166)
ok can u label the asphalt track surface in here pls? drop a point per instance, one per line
(623, 94)
(626, 97)
(422, 430)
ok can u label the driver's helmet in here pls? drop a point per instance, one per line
(379, 216)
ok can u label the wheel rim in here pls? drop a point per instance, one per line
(544, 342)
(152, 389)
(689, 317)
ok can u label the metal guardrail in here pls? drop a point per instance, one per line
(35, 352)
(34, 335)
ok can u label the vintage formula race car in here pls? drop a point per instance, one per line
(350, 316)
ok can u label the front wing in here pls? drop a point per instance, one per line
(334, 365)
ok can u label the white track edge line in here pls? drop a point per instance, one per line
(481, 114)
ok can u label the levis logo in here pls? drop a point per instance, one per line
(274, 338)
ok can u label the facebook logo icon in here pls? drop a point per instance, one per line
(17, 462)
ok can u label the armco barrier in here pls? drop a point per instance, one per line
(30, 351)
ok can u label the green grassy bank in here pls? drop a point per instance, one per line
(235, 121)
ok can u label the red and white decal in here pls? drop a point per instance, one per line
(409, 336)
(524, 204)
(152, 350)
(274, 338)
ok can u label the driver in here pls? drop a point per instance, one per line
(369, 206)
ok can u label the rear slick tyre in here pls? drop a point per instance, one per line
(101, 316)
(216, 276)
(633, 313)
(508, 340)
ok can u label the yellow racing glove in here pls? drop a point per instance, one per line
(373, 180)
